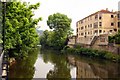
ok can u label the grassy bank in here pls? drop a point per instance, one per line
(92, 53)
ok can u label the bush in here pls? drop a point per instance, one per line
(115, 38)
(77, 46)
(66, 47)
(93, 53)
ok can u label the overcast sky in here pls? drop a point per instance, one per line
(74, 9)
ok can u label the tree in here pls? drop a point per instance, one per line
(60, 24)
(21, 35)
(115, 38)
(44, 37)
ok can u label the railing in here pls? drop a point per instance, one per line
(4, 66)
(1, 60)
(94, 38)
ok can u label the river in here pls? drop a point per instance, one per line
(44, 63)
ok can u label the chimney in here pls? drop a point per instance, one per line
(106, 9)
(112, 10)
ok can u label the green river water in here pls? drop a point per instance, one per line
(49, 64)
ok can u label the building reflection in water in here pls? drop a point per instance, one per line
(93, 69)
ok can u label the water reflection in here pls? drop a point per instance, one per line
(94, 69)
(24, 68)
(61, 67)
(54, 66)
(42, 68)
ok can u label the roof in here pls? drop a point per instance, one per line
(101, 11)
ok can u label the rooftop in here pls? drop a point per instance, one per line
(101, 11)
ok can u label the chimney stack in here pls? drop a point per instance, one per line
(106, 9)
(112, 10)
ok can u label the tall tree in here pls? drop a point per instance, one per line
(21, 35)
(60, 24)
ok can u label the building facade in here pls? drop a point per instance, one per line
(103, 22)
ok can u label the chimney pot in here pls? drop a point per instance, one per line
(106, 9)
(112, 10)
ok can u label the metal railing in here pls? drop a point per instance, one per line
(93, 39)
(4, 66)
(1, 59)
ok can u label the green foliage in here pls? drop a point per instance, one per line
(93, 53)
(24, 68)
(57, 39)
(21, 35)
(59, 22)
(61, 68)
(77, 46)
(115, 38)
(1, 38)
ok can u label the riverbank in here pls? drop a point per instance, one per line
(92, 53)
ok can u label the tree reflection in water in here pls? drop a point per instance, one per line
(85, 67)
(24, 68)
(61, 67)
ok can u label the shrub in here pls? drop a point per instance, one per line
(77, 46)
(94, 53)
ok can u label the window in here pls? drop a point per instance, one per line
(112, 24)
(100, 16)
(112, 16)
(96, 25)
(82, 34)
(77, 35)
(96, 31)
(81, 21)
(96, 17)
(115, 30)
(110, 30)
(82, 28)
(77, 29)
(118, 16)
(100, 23)
(91, 32)
(118, 24)
(100, 31)
(88, 33)
(85, 26)
(104, 31)
(91, 25)
(88, 26)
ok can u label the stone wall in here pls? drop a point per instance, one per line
(101, 43)
(110, 48)
(72, 41)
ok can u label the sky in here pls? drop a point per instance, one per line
(74, 9)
